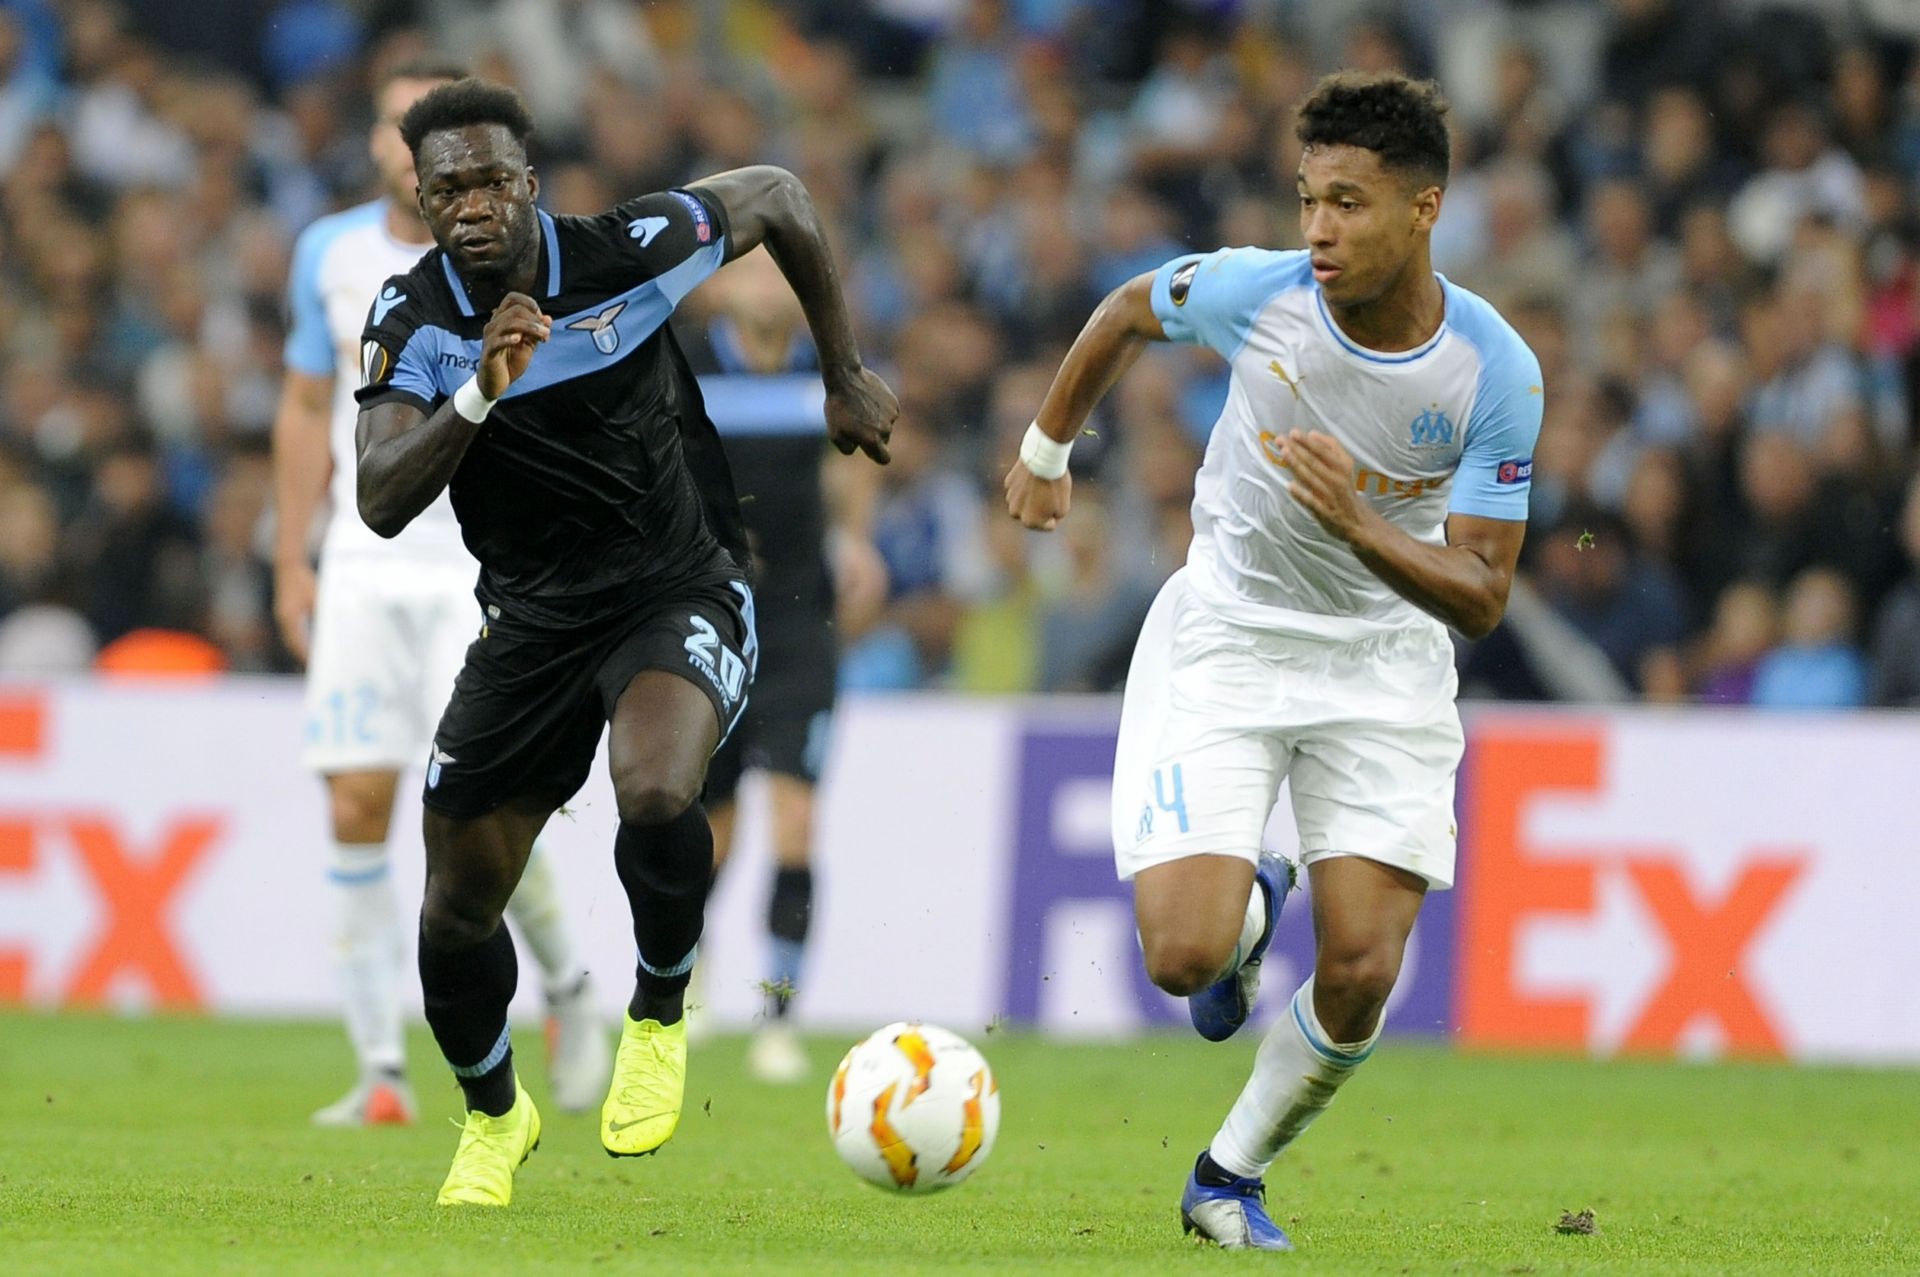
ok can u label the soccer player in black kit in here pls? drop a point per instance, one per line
(526, 364)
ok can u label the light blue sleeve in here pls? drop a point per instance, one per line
(309, 348)
(1495, 473)
(1211, 299)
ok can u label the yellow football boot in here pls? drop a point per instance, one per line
(649, 1084)
(491, 1150)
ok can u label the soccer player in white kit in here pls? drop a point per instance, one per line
(383, 628)
(1364, 488)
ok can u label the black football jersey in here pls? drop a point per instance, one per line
(773, 426)
(597, 481)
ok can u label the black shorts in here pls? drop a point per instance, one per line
(786, 725)
(528, 708)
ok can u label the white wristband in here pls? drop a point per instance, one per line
(1044, 455)
(470, 403)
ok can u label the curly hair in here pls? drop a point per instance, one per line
(463, 104)
(1403, 120)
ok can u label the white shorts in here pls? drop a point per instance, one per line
(1217, 715)
(388, 639)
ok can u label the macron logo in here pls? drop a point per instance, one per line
(645, 228)
(385, 302)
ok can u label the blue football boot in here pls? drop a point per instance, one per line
(1222, 1007)
(1233, 1216)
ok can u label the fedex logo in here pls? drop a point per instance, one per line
(135, 881)
(1521, 888)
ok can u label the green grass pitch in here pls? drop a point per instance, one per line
(173, 1146)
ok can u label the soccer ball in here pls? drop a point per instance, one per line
(913, 1108)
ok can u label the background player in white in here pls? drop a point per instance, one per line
(384, 627)
(1366, 482)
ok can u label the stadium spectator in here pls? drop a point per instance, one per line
(1817, 665)
(1628, 605)
(1896, 635)
(136, 558)
(1746, 625)
(1805, 175)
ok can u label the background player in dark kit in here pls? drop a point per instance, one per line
(526, 363)
(759, 377)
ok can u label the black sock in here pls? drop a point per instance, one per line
(1211, 1173)
(667, 870)
(789, 910)
(467, 989)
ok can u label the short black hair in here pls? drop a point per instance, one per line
(463, 104)
(424, 68)
(1402, 119)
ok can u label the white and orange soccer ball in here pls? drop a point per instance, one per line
(913, 1108)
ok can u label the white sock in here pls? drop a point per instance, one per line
(535, 911)
(1252, 927)
(369, 948)
(1295, 1073)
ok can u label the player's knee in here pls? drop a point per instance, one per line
(656, 799)
(1357, 980)
(451, 921)
(360, 815)
(1183, 966)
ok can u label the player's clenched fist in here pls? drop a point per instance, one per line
(506, 347)
(861, 411)
(1323, 481)
(1038, 503)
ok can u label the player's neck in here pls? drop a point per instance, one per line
(485, 294)
(405, 226)
(1404, 317)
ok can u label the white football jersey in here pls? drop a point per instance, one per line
(339, 265)
(1446, 428)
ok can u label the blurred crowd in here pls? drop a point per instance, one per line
(1702, 216)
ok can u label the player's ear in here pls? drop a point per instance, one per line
(1426, 207)
(533, 183)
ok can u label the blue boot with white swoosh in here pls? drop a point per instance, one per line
(1233, 1215)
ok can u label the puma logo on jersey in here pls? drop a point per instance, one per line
(385, 302)
(1292, 383)
(645, 228)
(606, 338)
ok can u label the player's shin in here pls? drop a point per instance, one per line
(466, 990)
(1295, 1075)
(667, 870)
(789, 913)
(368, 951)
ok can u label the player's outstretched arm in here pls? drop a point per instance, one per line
(767, 205)
(407, 457)
(1464, 582)
(1038, 487)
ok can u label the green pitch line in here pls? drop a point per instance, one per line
(181, 1147)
